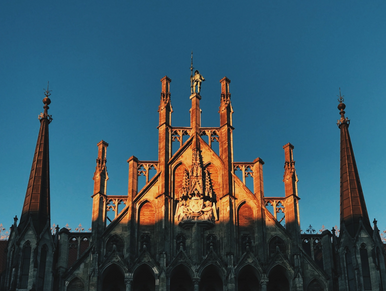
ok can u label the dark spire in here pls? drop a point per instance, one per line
(352, 202)
(37, 198)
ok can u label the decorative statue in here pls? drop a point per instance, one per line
(196, 82)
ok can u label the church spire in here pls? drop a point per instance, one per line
(352, 202)
(37, 198)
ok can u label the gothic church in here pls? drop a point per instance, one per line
(194, 225)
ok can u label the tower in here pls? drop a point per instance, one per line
(31, 245)
(360, 247)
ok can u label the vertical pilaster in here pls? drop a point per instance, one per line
(290, 180)
(226, 155)
(99, 197)
(195, 112)
(328, 255)
(225, 135)
(258, 189)
(258, 181)
(133, 178)
(63, 255)
(164, 135)
(164, 153)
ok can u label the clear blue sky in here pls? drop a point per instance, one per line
(104, 60)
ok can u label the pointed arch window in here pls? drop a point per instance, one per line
(365, 267)
(42, 267)
(25, 265)
(350, 271)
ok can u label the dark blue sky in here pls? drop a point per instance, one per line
(104, 60)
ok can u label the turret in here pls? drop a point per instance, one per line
(164, 135)
(37, 198)
(99, 196)
(225, 134)
(353, 209)
(290, 179)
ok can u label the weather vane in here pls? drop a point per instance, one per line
(47, 92)
(340, 99)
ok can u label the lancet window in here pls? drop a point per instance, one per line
(25, 265)
(365, 267)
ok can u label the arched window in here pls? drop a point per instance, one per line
(318, 253)
(246, 217)
(42, 267)
(146, 225)
(365, 267)
(147, 217)
(350, 271)
(25, 264)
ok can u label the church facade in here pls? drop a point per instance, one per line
(194, 225)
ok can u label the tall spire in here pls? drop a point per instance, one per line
(352, 202)
(37, 198)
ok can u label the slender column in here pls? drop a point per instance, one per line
(264, 281)
(128, 281)
(196, 282)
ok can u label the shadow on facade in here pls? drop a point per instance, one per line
(180, 279)
(143, 279)
(113, 279)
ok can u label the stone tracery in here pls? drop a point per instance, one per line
(197, 200)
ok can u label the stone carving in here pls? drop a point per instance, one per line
(197, 79)
(196, 200)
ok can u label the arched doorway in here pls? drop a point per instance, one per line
(248, 279)
(211, 279)
(180, 279)
(113, 279)
(278, 280)
(143, 279)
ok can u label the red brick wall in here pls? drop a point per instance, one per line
(147, 215)
(246, 216)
